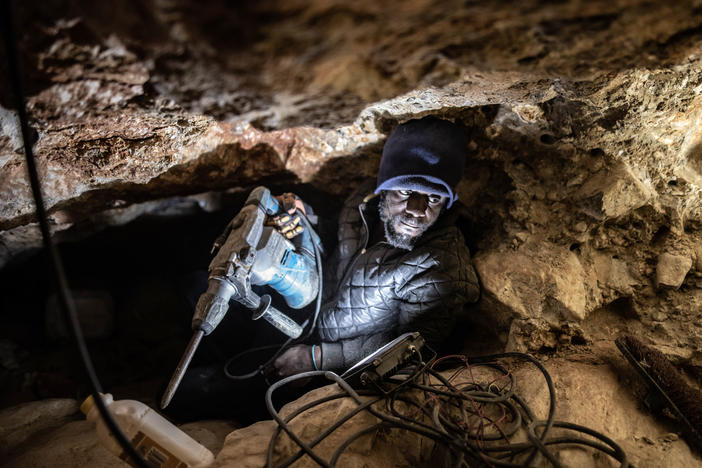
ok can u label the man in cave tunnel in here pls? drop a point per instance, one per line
(401, 264)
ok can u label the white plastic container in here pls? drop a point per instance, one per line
(162, 444)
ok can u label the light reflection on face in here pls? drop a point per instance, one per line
(407, 214)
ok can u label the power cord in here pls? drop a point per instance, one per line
(67, 305)
(473, 421)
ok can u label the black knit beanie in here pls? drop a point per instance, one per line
(426, 155)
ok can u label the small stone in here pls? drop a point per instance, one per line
(596, 165)
(522, 236)
(580, 226)
(671, 270)
(647, 440)
(553, 195)
(659, 316)
(670, 437)
(577, 180)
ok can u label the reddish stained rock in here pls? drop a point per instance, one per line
(583, 119)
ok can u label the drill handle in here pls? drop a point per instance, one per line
(276, 318)
(262, 197)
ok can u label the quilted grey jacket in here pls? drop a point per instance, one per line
(374, 293)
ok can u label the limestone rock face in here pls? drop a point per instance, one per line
(671, 270)
(537, 283)
(583, 183)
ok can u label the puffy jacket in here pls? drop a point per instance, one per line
(374, 293)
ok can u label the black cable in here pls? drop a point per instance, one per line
(464, 447)
(302, 409)
(349, 391)
(337, 453)
(271, 409)
(255, 350)
(549, 383)
(66, 300)
(292, 459)
(331, 428)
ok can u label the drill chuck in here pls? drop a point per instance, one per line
(213, 305)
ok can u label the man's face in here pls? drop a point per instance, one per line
(407, 214)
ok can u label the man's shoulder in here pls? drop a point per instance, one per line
(365, 188)
(445, 241)
(349, 212)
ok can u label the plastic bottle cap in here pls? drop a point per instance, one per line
(87, 405)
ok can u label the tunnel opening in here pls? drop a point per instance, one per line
(133, 286)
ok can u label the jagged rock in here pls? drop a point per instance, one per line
(619, 190)
(671, 270)
(613, 275)
(535, 282)
(698, 258)
(604, 397)
(122, 117)
(583, 120)
(531, 335)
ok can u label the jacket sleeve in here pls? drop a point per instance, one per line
(340, 355)
(433, 298)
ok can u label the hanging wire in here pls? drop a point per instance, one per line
(66, 301)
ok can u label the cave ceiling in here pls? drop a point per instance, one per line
(584, 120)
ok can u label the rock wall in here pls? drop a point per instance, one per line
(583, 184)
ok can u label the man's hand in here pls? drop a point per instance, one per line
(288, 222)
(296, 360)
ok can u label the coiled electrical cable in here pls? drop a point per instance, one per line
(472, 421)
(66, 301)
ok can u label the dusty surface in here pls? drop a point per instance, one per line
(599, 393)
(68, 440)
(583, 185)
(602, 395)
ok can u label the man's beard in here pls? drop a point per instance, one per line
(394, 238)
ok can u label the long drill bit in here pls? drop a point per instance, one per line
(182, 367)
